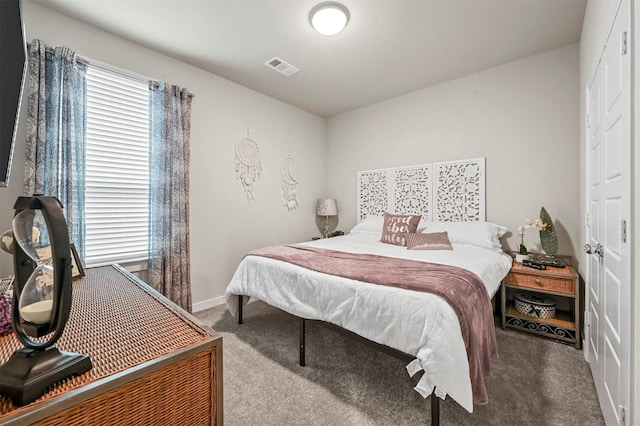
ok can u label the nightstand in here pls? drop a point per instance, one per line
(559, 284)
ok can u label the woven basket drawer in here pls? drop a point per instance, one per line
(158, 398)
(561, 285)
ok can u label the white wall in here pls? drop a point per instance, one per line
(224, 225)
(521, 116)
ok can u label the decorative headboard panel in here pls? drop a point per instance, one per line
(440, 192)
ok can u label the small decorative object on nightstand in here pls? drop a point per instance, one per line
(326, 207)
(521, 257)
(548, 237)
(551, 285)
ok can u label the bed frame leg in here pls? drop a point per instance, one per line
(302, 339)
(239, 309)
(435, 409)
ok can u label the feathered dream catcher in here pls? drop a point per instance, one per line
(289, 184)
(248, 167)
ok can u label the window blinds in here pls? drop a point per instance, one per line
(117, 168)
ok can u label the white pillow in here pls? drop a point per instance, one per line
(369, 225)
(481, 234)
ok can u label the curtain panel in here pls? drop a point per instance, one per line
(56, 121)
(169, 254)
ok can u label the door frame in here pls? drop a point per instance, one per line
(615, 8)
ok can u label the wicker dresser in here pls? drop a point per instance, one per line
(153, 363)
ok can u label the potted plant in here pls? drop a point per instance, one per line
(522, 253)
(548, 238)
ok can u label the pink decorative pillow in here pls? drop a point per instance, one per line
(433, 241)
(396, 225)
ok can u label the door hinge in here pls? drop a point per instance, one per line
(623, 231)
(588, 123)
(587, 318)
(622, 411)
(586, 219)
(623, 43)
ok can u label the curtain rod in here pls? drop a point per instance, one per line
(153, 83)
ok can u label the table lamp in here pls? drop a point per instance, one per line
(326, 207)
(41, 301)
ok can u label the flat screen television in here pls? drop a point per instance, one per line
(13, 61)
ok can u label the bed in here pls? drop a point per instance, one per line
(421, 324)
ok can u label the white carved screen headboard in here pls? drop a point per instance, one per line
(440, 192)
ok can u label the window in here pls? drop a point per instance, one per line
(117, 168)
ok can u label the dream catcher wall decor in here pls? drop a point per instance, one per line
(248, 167)
(289, 184)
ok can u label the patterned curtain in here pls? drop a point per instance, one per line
(56, 121)
(169, 262)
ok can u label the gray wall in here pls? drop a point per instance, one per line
(522, 117)
(224, 225)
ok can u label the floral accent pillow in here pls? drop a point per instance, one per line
(395, 226)
(481, 234)
(433, 241)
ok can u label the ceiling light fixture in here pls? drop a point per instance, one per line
(329, 18)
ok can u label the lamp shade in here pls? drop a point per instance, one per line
(327, 207)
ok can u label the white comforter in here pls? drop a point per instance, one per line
(417, 323)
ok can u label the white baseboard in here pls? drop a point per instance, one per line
(206, 304)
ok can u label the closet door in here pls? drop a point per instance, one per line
(608, 257)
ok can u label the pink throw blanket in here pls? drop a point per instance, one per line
(462, 289)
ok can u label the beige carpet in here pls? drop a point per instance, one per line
(534, 381)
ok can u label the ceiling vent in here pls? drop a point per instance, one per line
(281, 66)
